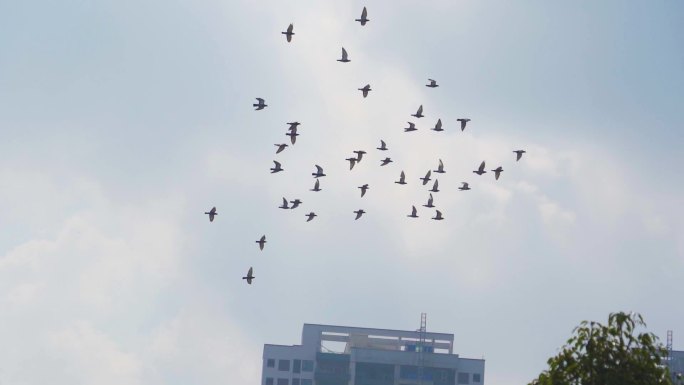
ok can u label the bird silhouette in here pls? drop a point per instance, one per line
(464, 187)
(429, 202)
(402, 178)
(212, 213)
(426, 178)
(463, 123)
(438, 216)
(316, 186)
(261, 242)
(419, 113)
(319, 172)
(293, 125)
(481, 169)
(519, 154)
(276, 168)
(358, 213)
(440, 168)
(345, 57)
(411, 127)
(352, 162)
(435, 186)
(383, 146)
(363, 188)
(359, 155)
(433, 84)
(249, 276)
(414, 212)
(497, 172)
(292, 134)
(289, 33)
(310, 216)
(281, 147)
(363, 20)
(385, 161)
(438, 126)
(260, 105)
(295, 204)
(284, 205)
(366, 89)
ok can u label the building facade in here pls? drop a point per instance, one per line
(340, 355)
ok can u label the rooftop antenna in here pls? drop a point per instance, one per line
(669, 353)
(421, 346)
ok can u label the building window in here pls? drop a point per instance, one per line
(270, 363)
(476, 377)
(269, 381)
(464, 378)
(307, 366)
(283, 381)
(283, 366)
(296, 366)
(295, 381)
(306, 381)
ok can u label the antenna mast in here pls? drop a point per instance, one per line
(421, 346)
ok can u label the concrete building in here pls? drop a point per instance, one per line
(340, 355)
(676, 364)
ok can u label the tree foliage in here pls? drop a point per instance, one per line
(612, 354)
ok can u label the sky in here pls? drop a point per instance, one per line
(122, 122)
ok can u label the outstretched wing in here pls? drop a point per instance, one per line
(344, 54)
(482, 166)
(319, 169)
(364, 13)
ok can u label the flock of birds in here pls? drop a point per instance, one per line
(354, 160)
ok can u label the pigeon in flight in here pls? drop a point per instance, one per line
(363, 20)
(464, 187)
(497, 172)
(365, 90)
(363, 188)
(295, 203)
(438, 216)
(383, 146)
(433, 83)
(293, 135)
(414, 212)
(440, 168)
(358, 213)
(352, 162)
(385, 161)
(435, 186)
(518, 154)
(438, 126)
(276, 168)
(419, 113)
(319, 172)
(429, 202)
(249, 276)
(426, 178)
(463, 123)
(281, 147)
(310, 216)
(284, 205)
(260, 105)
(212, 213)
(289, 33)
(345, 58)
(480, 169)
(359, 155)
(316, 186)
(402, 178)
(411, 127)
(261, 242)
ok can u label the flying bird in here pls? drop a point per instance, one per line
(383, 146)
(480, 169)
(497, 172)
(358, 213)
(414, 212)
(366, 89)
(419, 113)
(316, 186)
(385, 161)
(293, 125)
(319, 172)
(284, 205)
(433, 84)
(212, 213)
(359, 155)
(411, 127)
(249, 276)
(464, 187)
(281, 147)
(402, 178)
(463, 123)
(289, 33)
(352, 162)
(438, 216)
(438, 126)
(310, 216)
(440, 168)
(363, 20)
(363, 188)
(295, 203)
(518, 154)
(429, 202)
(293, 135)
(260, 105)
(345, 58)
(426, 178)
(261, 242)
(435, 186)
(276, 168)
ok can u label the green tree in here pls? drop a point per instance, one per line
(612, 354)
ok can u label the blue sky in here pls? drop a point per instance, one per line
(122, 122)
